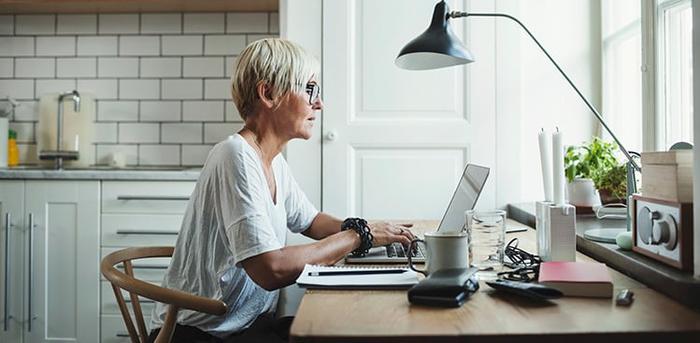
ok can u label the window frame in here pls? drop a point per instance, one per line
(653, 79)
(608, 42)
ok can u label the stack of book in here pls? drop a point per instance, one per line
(577, 279)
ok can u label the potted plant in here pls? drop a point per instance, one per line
(612, 184)
(582, 164)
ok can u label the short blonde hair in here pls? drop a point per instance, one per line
(283, 65)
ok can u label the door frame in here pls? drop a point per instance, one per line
(301, 21)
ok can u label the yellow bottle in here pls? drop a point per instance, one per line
(12, 150)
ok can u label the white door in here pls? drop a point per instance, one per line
(11, 260)
(396, 141)
(64, 263)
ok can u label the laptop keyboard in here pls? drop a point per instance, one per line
(397, 250)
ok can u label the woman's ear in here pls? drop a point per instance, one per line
(265, 95)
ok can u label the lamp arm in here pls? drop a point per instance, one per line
(458, 14)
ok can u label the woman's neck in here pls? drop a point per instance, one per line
(264, 139)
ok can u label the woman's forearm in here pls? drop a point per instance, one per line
(280, 268)
(323, 225)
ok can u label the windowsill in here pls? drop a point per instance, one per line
(678, 285)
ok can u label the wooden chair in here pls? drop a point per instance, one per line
(174, 298)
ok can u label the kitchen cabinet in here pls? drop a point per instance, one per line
(52, 267)
(11, 261)
(138, 213)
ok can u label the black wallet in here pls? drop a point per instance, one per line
(529, 290)
(445, 288)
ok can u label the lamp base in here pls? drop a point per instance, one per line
(604, 235)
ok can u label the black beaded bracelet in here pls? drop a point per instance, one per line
(360, 226)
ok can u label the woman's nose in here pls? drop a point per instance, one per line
(318, 104)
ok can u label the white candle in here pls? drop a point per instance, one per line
(558, 162)
(546, 163)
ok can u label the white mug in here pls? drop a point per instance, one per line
(443, 250)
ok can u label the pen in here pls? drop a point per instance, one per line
(358, 272)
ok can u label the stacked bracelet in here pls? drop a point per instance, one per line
(360, 226)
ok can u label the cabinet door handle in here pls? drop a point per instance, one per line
(153, 197)
(7, 271)
(146, 266)
(121, 334)
(147, 232)
(31, 270)
(143, 301)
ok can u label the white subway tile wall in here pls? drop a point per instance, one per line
(97, 46)
(6, 67)
(160, 80)
(17, 46)
(76, 24)
(55, 46)
(7, 24)
(35, 24)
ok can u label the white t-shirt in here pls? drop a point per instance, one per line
(230, 217)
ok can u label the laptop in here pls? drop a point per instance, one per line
(464, 198)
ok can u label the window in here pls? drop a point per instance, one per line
(674, 69)
(622, 77)
(647, 72)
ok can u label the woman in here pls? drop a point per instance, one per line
(232, 242)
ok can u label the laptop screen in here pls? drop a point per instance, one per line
(464, 198)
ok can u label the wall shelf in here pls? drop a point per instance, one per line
(131, 6)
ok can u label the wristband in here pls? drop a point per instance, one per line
(360, 226)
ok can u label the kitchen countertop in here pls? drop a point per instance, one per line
(164, 173)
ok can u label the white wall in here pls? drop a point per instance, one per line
(696, 133)
(531, 93)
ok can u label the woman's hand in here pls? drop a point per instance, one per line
(386, 233)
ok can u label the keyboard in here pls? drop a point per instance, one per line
(397, 250)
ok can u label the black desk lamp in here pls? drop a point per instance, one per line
(438, 47)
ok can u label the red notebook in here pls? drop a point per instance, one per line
(578, 279)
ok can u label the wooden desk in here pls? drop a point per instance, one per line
(488, 316)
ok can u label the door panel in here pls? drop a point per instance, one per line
(65, 262)
(396, 141)
(386, 91)
(400, 175)
(12, 257)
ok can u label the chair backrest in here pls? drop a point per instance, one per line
(175, 299)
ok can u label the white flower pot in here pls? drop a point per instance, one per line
(582, 192)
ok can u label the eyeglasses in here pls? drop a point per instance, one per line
(314, 91)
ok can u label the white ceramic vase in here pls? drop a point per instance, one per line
(582, 193)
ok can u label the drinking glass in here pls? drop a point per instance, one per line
(486, 231)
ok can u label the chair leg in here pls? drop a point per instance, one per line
(125, 314)
(136, 305)
(166, 332)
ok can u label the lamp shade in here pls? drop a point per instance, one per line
(437, 47)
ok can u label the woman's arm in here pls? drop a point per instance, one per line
(279, 268)
(323, 226)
